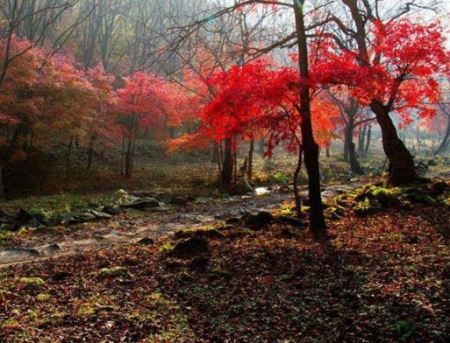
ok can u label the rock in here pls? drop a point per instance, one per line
(100, 215)
(23, 216)
(232, 221)
(286, 233)
(199, 262)
(4, 213)
(32, 282)
(258, 221)
(142, 204)
(34, 223)
(120, 196)
(290, 221)
(226, 228)
(202, 200)
(114, 272)
(143, 194)
(239, 233)
(23, 250)
(179, 201)
(78, 218)
(173, 264)
(111, 210)
(201, 233)
(190, 247)
(438, 188)
(146, 241)
(53, 247)
(60, 276)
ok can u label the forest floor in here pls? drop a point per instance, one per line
(201, 271)
(384, 276)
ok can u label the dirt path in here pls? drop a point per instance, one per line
(131, 231)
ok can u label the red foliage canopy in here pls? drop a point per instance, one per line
(399, 70)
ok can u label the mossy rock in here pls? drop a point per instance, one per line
(145, 241)
(365, 207)
(43, 297)
(239, 233)
(201, 233)
(34, 282)
(190, 247)
(114, 272)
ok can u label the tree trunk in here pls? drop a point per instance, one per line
(418, 141)
(327, 151)
(298, 200)
(362, 140)
(401, 163)
(261, 146)
(250, 160)
(352, 158)
(346, 146)
(369, 137)
(2, 185)
(445, 141)
(226, 177)
(311, 149)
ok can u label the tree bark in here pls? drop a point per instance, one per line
(261, 146)
(362, 140)
(445, 141)
(2, 185)
(401, 163)
(298, 200)
(250, 160)
(346, 146)
(352, 158)
(311, 149)
(369, 137)
(226, 177)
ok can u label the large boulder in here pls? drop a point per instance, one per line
(258, 221)
(190, 247)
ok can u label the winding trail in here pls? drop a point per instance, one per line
(120, 231)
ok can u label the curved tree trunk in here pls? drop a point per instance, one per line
(298, 200)
(401, 163)
(369, 137)
(445, 141)
(351, 149)
(311, 149)
(226, 176)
